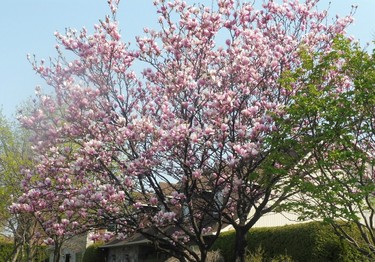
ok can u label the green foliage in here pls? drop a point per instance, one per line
(260, 256)
(13, 156)
(6, 249)
(93, 253)
(225, 243)
(308, 242)
(336, 118)
(256, 256)
(42, 253)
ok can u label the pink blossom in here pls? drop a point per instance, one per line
(153, 201)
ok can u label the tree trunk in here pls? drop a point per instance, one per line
(56, 253)
(240, 244)
(15, 253)
(203, 255)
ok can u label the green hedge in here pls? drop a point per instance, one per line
(6, 249)
(93, 253)
(308, 242)
(225, 243)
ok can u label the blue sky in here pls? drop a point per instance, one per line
(28, 26)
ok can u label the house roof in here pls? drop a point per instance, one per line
(138, 238)
(135, 239)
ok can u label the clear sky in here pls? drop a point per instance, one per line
(28, 26)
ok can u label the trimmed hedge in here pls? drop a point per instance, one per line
(307, 242)
(93, 253)
(225, 244)
(6, 249)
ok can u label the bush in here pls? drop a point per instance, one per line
(94, 254)
(212, 256)
(225, 243)
(308, 242)
(259, 256)
(6, 249)
(42, 253)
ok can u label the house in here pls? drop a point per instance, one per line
(133, 249)
(137, 248)
(73, 249)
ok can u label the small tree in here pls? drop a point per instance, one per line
(341, 139)
(190, 144)
(22, 228)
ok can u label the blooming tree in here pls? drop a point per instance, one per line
(189, 143)
(23, 229)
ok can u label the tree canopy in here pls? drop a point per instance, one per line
(15, 154)
(191, 142)
(339, 133)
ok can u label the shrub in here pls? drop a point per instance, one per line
(212, 256)
(6, 249)
(308, 242)
(225, 243)
(259, 256)
(41, 254)
(93, 253)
